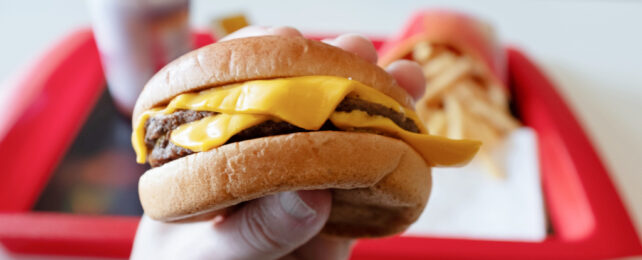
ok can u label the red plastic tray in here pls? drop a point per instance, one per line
(585, 211)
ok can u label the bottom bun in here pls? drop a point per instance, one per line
(380, 185)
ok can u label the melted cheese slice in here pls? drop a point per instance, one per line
(213, 131)
(306, 102)
(436, 150)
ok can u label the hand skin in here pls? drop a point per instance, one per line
(280, 226)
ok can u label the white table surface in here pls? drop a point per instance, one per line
(591, 49)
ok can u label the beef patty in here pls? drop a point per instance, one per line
(159, 128)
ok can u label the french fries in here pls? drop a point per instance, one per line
(455, 117)
(422, 52)
(497, 96)
(495, 115)
(439, 63)
(440, 83)
(461, 101)
(437, 123)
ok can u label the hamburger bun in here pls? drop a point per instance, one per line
(380, 185)
(264, 57)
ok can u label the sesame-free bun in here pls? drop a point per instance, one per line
(262, 57)
(380, 185)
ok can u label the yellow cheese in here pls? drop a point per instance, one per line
(213, 131)
(138, 135)
(306, 102)
(436, 150)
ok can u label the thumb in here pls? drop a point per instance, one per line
(273, 226)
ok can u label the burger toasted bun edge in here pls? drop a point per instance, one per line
(262, 57)
(380, 184)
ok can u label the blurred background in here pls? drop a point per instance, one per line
(590, 49)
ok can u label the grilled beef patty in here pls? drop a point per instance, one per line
(159, 128)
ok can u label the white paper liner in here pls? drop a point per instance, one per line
(470, 203)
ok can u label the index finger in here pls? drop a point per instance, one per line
(357, 44)
(409, 76)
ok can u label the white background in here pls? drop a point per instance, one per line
(591, 49)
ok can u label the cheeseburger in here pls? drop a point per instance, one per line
(242, 119)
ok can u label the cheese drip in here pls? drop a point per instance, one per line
(436, 150)
(213, 131)
(306, 102)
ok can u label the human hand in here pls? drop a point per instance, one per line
(280, 226)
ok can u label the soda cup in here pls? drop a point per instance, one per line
(135, 38)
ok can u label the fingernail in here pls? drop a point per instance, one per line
(292, 203)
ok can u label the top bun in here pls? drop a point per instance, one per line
(262, 57)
